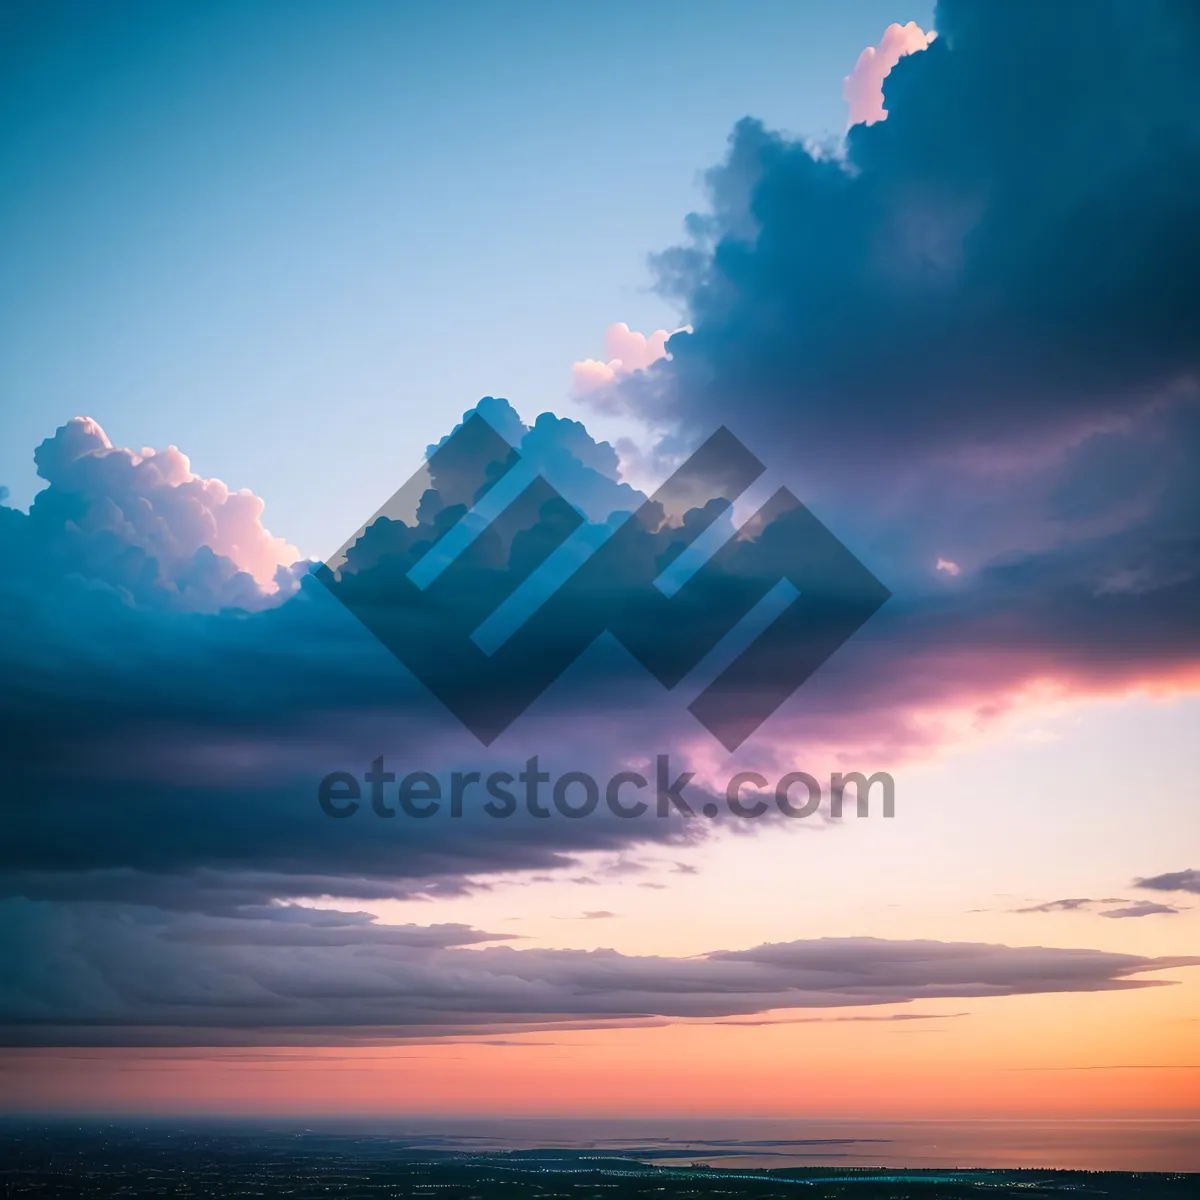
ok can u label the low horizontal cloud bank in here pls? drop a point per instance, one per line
(1071, 904)
(1137, 908)
(1143, 908)
(120, 976)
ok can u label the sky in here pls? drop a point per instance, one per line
(287, 224)
(935, 269)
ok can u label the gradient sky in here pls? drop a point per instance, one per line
(298, 242)
(232, 226)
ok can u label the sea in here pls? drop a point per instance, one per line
(735, 1143)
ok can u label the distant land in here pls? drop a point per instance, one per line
(82, 1158)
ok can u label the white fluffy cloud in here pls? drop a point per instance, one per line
(625, 351)
(153, 501)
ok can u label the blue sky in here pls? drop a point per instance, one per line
(297, 240)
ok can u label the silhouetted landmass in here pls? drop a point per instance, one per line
(72, 1159)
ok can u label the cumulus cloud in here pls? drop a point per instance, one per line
(176, 752)
(120, 977)
(862, 89)
(609, 587)
(1001, 264)
(147, 525)
(976, 330)
(625, 352)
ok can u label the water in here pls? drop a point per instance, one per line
(1095, 1145)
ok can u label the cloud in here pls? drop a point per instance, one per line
(120, 976)
(177, 742)
(996, 266)
(934, 412)
(837, 1020)
(974, 338)
(163, 529)
(1074, 904)
(1143, 908)
(862, 89)
(593, 580)
(1138, 908)
(1173, 881)
(626, 351)
(175, 717)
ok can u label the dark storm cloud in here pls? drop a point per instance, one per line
(1012, 252)
(166, 718)
(610, 587)
(974, 340)
(287, 975)
(164, 736)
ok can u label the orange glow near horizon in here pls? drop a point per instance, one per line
(1130, 1052)
(1124, 1054)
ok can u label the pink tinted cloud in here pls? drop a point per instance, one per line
(863, 87)
(153, 500)
(625, 351)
